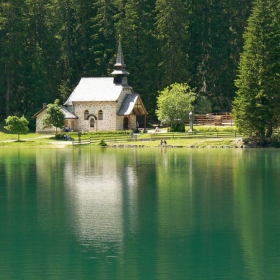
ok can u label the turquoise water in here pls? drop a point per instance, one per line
(90, 213)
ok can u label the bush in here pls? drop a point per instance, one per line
(275, 141)
(177, 127)
(102, 143)
(59, 136)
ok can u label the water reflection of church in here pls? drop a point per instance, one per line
(96, 187)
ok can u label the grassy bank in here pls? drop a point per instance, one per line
(204, 137)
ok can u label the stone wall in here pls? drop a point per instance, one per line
(132, 120)
(39, 124)
(109, 116)
(110, 120)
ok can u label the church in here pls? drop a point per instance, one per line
(101, 104)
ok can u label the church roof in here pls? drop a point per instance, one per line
(132, 103)
(95, 89)
(68, 115)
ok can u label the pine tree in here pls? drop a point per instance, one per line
(140, 49)
(257, 105)
(13, 38)
(216, 30)
(172, 32)
(103, 38)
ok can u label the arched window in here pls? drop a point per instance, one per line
(92, 122)
(100, 115)
(86, 113)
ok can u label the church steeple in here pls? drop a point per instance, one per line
(120, 72)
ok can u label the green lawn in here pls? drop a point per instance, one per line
(181, 143)
(144, 139)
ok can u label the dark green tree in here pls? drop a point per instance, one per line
(257, 105)
(13, 36)
(16, 125)
(103, 38)
(141, 49)
(54, 116)
(216, 29)
(172, 21)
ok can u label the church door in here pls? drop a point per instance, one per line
(125, 123)
(92, 125)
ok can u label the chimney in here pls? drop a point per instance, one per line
(44, 105)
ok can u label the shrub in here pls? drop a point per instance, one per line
(275, 141)
(59, 136)
(102, 143)
(177, 127)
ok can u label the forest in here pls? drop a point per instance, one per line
(47, 46)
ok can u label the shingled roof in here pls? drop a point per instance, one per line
(68, 115)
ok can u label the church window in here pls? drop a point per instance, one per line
(100, 115)
(86, 113)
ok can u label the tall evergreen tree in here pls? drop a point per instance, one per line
(257, 105)
(103, 37)
(216, 30)
(140, 49)
(13, 36)
(172, 33)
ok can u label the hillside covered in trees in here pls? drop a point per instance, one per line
(47, 46)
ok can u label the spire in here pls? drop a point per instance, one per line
(120, 58)
(120, 72)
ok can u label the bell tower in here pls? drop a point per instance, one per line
(120, 73)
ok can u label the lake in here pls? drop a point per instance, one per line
(139, 213)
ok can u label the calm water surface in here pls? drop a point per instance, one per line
(89, 213)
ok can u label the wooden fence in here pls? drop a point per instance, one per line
(210, 119)
(97, 138)
(200, 134)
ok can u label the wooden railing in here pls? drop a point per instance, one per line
(80, 141)
(200, 134)
(210, 119)
(97, 138)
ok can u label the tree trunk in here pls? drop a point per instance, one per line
(269, 131)
(8, 93)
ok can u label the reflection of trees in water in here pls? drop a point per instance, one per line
(164, 211)
(255, 190)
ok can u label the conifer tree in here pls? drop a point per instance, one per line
(257, 105)
(172, 26)
(216, 29)
(140, 49)
(103, 38)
